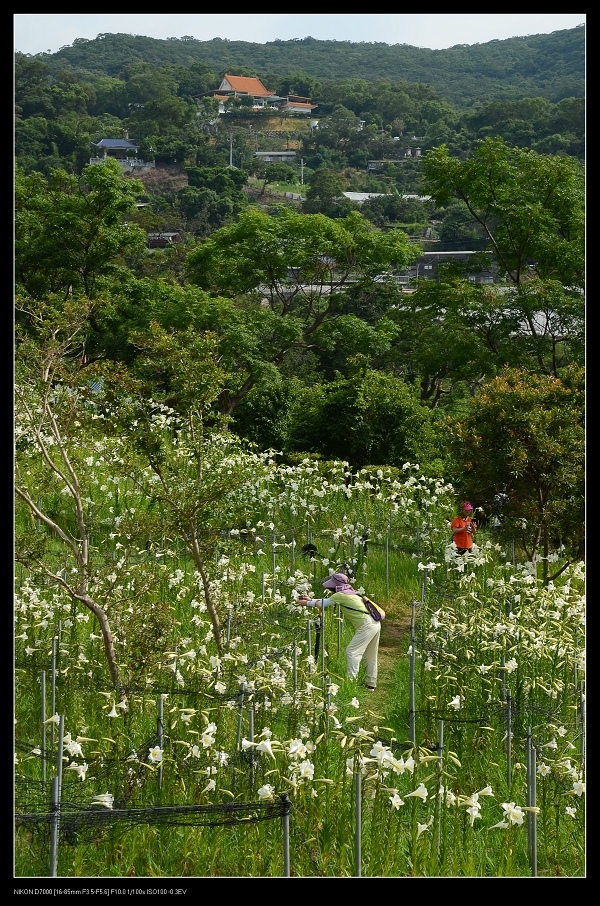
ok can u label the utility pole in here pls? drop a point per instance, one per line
(231, 149)
(301, 171)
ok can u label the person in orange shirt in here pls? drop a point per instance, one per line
(463, 529)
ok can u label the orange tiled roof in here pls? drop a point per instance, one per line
(246, 85)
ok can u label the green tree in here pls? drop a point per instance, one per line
(266, 413)
(32, 94)
(531, 210)
(275, 172)
(338, 129)
(353, 94)
(71, 232)
(205, 210)
(530, 207)
(510, 120)
(71, 98)
(300, 84)
(324, 194)
(392, 102)
(110, 98)
(324, 185)
(161, 116)
(392, 209)
(194, 81)
(49, 410)
(222, 180)
(197, 479)
(369, 418)
(300, 262)
(33, 144)
(523, 435)
(457, 230)
(449, 338)
(146, 83)
(547, 325)
(252, 340)
(190, 481)
(453, 336)
(294, 278)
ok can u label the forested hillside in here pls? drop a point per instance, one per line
(288, 291)
(547, 66)
(219, 358)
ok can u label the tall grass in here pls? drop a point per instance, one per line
(268, 718)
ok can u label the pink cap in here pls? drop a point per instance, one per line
(467, 505)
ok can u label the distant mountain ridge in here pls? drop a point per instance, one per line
(547, 66)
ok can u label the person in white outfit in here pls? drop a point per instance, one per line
(364, 645)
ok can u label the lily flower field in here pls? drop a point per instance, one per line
(232, 744)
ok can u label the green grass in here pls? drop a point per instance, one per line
(469, 615)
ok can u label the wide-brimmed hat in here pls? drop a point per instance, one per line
(339, 582)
